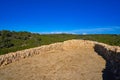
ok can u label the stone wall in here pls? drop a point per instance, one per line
(112, 56)
(110, 53)
(66, 45)
(15, 56)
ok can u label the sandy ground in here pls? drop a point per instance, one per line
(77, 64)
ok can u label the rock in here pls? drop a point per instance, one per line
(109, 53)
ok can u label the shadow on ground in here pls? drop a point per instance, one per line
(112, 67)
(107, 74)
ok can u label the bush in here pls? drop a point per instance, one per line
(11, 41)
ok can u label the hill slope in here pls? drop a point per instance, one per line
(11, 41)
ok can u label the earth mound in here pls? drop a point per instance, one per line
(68, 60)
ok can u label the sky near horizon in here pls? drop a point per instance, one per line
(61, 16)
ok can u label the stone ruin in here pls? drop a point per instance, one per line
(110, 53)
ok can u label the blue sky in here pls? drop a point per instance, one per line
(57, 16)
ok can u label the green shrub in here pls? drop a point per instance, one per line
(11, 41)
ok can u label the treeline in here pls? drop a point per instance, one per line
(11, 41)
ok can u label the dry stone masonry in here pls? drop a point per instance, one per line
(112, 56)
(110, 53)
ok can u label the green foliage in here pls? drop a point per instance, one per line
(11, 41)
(5, 41)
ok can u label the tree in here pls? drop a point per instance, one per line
(5, 41)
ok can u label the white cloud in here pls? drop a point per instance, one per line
(96, 30)
(85, 31)
(56, 32)
(92, 30)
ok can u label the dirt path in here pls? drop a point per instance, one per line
(79, 64)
